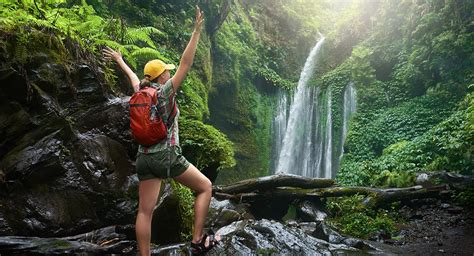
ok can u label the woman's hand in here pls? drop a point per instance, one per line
(199, 20)
(109, 53)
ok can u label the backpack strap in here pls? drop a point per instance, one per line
(168, 123)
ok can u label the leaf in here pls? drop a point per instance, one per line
(148, 53)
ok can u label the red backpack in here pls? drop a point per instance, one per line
(146, 122)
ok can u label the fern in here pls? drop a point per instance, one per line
(114, 45)
(148, 53)
(134, 35)
(7, 22)
(93, 25)
(79, 23)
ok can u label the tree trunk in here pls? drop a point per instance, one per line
(274, 181)
(297, 187)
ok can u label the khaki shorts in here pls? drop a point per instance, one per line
(155, 165)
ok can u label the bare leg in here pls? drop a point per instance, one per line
(148, 191)
(195, 180)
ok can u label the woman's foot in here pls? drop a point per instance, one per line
(208, 241)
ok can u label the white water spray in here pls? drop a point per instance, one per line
(296, 148)
(303, 128)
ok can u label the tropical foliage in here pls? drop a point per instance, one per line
(410, 61)
(350, 216)
(414, 103)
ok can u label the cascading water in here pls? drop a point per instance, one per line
(279, 123)
(349, 109)
(328, 141)
(303, 128)
(296, 154)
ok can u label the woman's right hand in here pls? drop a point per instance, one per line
(199, 20)
(110, 53)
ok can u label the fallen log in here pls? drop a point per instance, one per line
(375, 197)
(269, 182)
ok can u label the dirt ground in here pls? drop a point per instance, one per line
(436, 228)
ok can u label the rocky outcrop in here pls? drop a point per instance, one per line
(66, 155)
(64, 170)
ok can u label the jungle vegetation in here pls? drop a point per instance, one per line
(412, 62)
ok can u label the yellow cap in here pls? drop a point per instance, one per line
(154, 68)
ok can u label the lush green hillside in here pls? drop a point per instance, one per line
(412, 63)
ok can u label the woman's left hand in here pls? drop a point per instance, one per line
(199, 20)
(110, 53)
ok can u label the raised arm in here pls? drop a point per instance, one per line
(117, 57)
(188, 55)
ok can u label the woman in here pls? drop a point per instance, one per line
(156, 162)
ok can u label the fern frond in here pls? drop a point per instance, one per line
(7, 22)
(134, 35)
(148, 53)
(114, 45)
(133, 63)
(132, 47)
(40, 23)
(91, 26)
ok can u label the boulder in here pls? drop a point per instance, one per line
(272, 237)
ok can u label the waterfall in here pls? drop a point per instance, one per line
(279, 124)
(349, 109)
(303, 127)
(328, 140)
(296, 153)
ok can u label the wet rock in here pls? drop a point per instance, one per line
(171, 249)
(455, 210)
(110, 118)
(307, 227)
(48, 76)
(14, 123)
(309, 211)
(89, 89)
(168, 223)
(423, 179)
(57, 176)
(380, 236)
(109, 240)
(321, 231)
(38, 162)
(267, 237)
(54, 189)
(357, 243)
(222, 213)
(445, 206)
(102, 160)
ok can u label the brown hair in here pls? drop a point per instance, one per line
(145, 82)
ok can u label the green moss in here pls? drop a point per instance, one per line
(205, 146)
(350, 216)
(466, 197)
(193, 100)
(186, 209)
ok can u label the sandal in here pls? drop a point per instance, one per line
(200, 248)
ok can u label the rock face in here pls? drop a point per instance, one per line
(65, 169)
(66, 155)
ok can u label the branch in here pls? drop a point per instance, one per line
(39, 10)
(274, 181)
(376, 197)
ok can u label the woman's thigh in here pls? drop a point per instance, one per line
(148, 191)
(194, 179)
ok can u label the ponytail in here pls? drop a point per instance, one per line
(145, 82)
